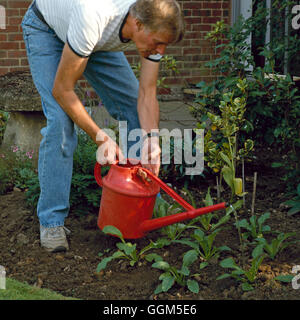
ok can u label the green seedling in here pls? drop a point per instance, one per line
(255, 227)
(173, 275)
(206, 219)
(246, 277)
(163, 208)
(203, 246)
(275, 246)
(128, 251)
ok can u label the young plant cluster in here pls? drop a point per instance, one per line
(202, 251)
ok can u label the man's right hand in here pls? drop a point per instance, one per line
(108, 151)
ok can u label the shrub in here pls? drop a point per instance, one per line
(273, 102)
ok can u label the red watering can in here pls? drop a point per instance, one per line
(128, 200)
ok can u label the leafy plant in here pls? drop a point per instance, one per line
(163, 208)
(177, 171)
(206, 219)
(128, 251)
(16, 168)
(255, 227)
(3, 121)
(85, 193)
(246, 277)
(271, 98)
(221, 140)
(276, 245)
(173, 275)
(294, 203)
(203, 245)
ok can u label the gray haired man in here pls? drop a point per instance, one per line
(68, 39)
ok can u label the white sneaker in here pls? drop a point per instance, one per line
(54, 239)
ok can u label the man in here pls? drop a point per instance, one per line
(67, 39)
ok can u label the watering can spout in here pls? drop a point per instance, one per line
(149, 225)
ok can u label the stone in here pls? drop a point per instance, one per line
(19, 97)
(18, 93)
(22, 239)
(59, 257)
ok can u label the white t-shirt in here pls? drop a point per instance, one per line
(89, 25)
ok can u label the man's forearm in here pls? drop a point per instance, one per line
(71, 104)
(148, 111)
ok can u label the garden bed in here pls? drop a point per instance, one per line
(74, 273)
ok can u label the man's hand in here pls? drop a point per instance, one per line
(108, 151)
(151, 154)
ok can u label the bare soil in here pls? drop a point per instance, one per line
(74, 273)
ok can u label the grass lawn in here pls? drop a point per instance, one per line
(16, 290)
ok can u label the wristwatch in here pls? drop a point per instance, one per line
(151, 134)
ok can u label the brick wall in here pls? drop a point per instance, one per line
(190, 54)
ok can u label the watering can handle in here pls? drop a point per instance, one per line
(168, 190)
(97, 174)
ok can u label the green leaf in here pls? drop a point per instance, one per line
(162, 265)
(237, 205)
(167, 283)
(161, 242)
(158, 289)
(185, 270)
(224, 276)
(112, 230)
(190, 257)
(224, 248)
(223, 220)
(192, 244)
(294, 210)
(285, 278)
(238, 272)
(261, 220)
(247, 287)
(229, 263)
(228, 176)
(128, 247)
(258, 250)
(153, 257)
(193, 286)
(277, 165)
(132, 262)
(208, 200)
(226, 159)
(203, 265)
(102, 265)
(243, 224)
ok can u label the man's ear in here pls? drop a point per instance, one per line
(139, 25)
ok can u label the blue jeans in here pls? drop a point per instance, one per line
(113, 80)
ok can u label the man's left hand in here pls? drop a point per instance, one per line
(151, 154)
